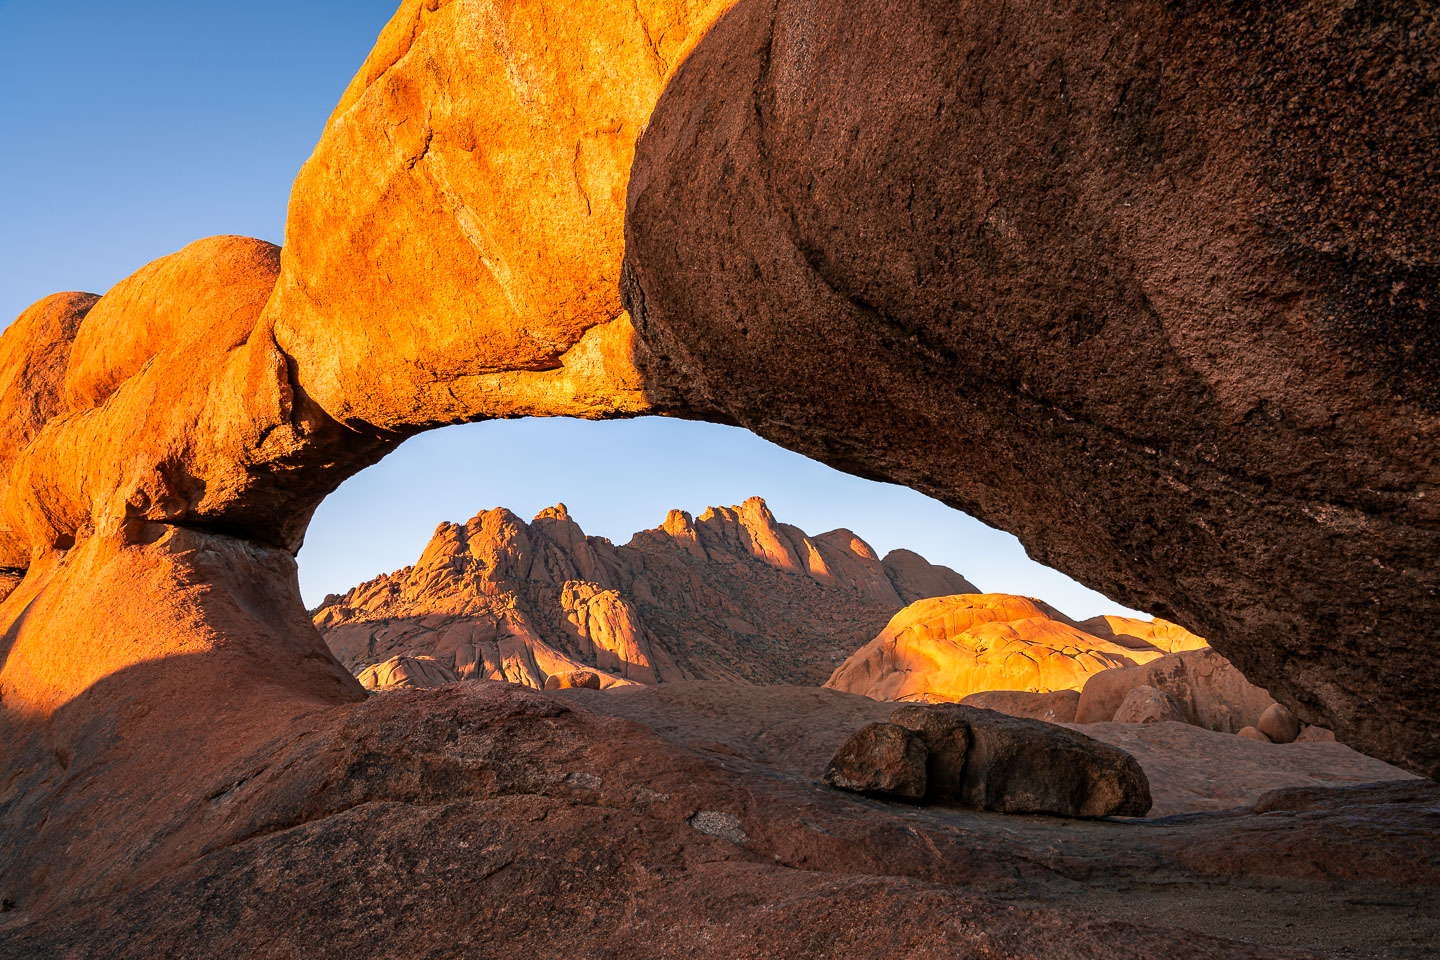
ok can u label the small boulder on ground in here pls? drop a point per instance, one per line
(1252, 733)
(1019, 765)
(1314, 734)
(880, 758)
(406, 673)
(1146, 704)
(1279, 724)
(1054, 706)
(573, 679)
(1207, 688)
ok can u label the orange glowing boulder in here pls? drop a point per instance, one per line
(406, 673)
(463, 211)
(948, 648)
(574, 680)
(1146, 637)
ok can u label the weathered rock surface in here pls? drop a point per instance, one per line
(1143, 636)
(575, 679)
(1206, 687)
(187, 400)
(799, 729)
(1278, 724)
(1193, 769)
(1145, 704)
(1149, 285)
(484, 811)
(1017, 765)
(182, 653)
(1169, 327)
(463, 213)
(884, 759)
(9, 580)
(732, 594)
(34, 354)
(947, 648)
(1057, 706)
(407, 673)
(166, 400)
(1314, 734)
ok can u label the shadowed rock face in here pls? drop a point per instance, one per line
(484, 814)
(1145, 284)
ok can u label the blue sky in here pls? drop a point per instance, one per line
(135, 128)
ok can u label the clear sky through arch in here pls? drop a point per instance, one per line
(620, 476)
(133, 129)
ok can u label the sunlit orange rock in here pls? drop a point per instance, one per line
(188, 404)
(177, 735)
(948, 648)
(134, 675)
(406, 672)
(574, 680)
(9, 580)
(34, 355)
(194, 421)
(1143, 635)
(463, 213)
(733, 594)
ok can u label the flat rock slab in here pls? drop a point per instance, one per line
(1193, 769)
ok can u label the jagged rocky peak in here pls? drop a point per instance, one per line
(733, 594)
(838, 557)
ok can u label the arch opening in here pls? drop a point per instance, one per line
(660, 550)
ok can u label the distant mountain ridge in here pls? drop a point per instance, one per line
(731, 595)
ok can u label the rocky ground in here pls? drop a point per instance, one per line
(481, 819)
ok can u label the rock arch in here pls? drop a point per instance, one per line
(1154, 350)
